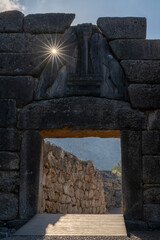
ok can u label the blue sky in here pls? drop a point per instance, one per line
(90, 10)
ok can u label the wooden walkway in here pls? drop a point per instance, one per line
(74, 225)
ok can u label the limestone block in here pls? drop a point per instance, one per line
(30, 166)
(107, 114)
(47, 23)
(131, 147)
(9, 181)
(154, 120)
(7, 112)
(16, 64)
(151, 169)
(151, 212)
(144, 96)
(142, 71)
(122, 27)
(11, 21)
(79, 194)
(151, 195)
(8, 206)
(11, 87)
(9, 161)
(26, 42)
(136, 49)
(10, 139)
(151, 142)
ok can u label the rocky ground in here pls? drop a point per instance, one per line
(141, 235)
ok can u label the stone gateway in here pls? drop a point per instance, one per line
(103, 81)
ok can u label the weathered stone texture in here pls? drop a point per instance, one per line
(69, 184)
(19, 88)
(131, 147)
(9, 181)
(112, 189)
(154, 120)
(151, 142)
(8, 206)
(136, 49)
(151, 169)
(151, 212)
(11, 21)
(47, 23)
(151, 195)
(122, 27)
(142, 71)
(29, 173)
(26, 42)
(77, 112)
(12, 64)
(9, 161)
(10, 139)
(144, 96)
(7, 112)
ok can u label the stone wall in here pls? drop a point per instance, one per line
(69, 184)
(112, 189)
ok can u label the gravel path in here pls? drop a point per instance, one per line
(148, 235)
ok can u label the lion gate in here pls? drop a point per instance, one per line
(78, 81)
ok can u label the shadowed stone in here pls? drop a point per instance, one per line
(12, 64)
(29, 173)
(151, 142)
(8, 206)
(136, 49)
(131, 145)
(142, 71)
(154, 120)
(9, 181)
(10, 139)
(77, 113)
(9, 161)
(151, 212)
(48, 23)
(7, 111)
(19, 88)
(26, 42)
(151, 195)
(122, 27)
(144, 96)
(151, 169)
(11, 21)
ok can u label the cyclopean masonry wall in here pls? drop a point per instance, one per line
(69, 184)
(106, 85)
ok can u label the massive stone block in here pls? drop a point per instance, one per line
(154, 120)
(142, 71)
(47, 23)
(19, 88)
(77, 113)
(9, 161)
(12, 64)
(151, 142)
(151, 212)
(122, 27)
(144, 96)
(9, 181)
(131, 145)
(26, 42)
(8, 206)
(7, 112)
(11, 21)
(136, 49)
(10, 139)
(29, 173)
(151, 195)
(151, 169)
